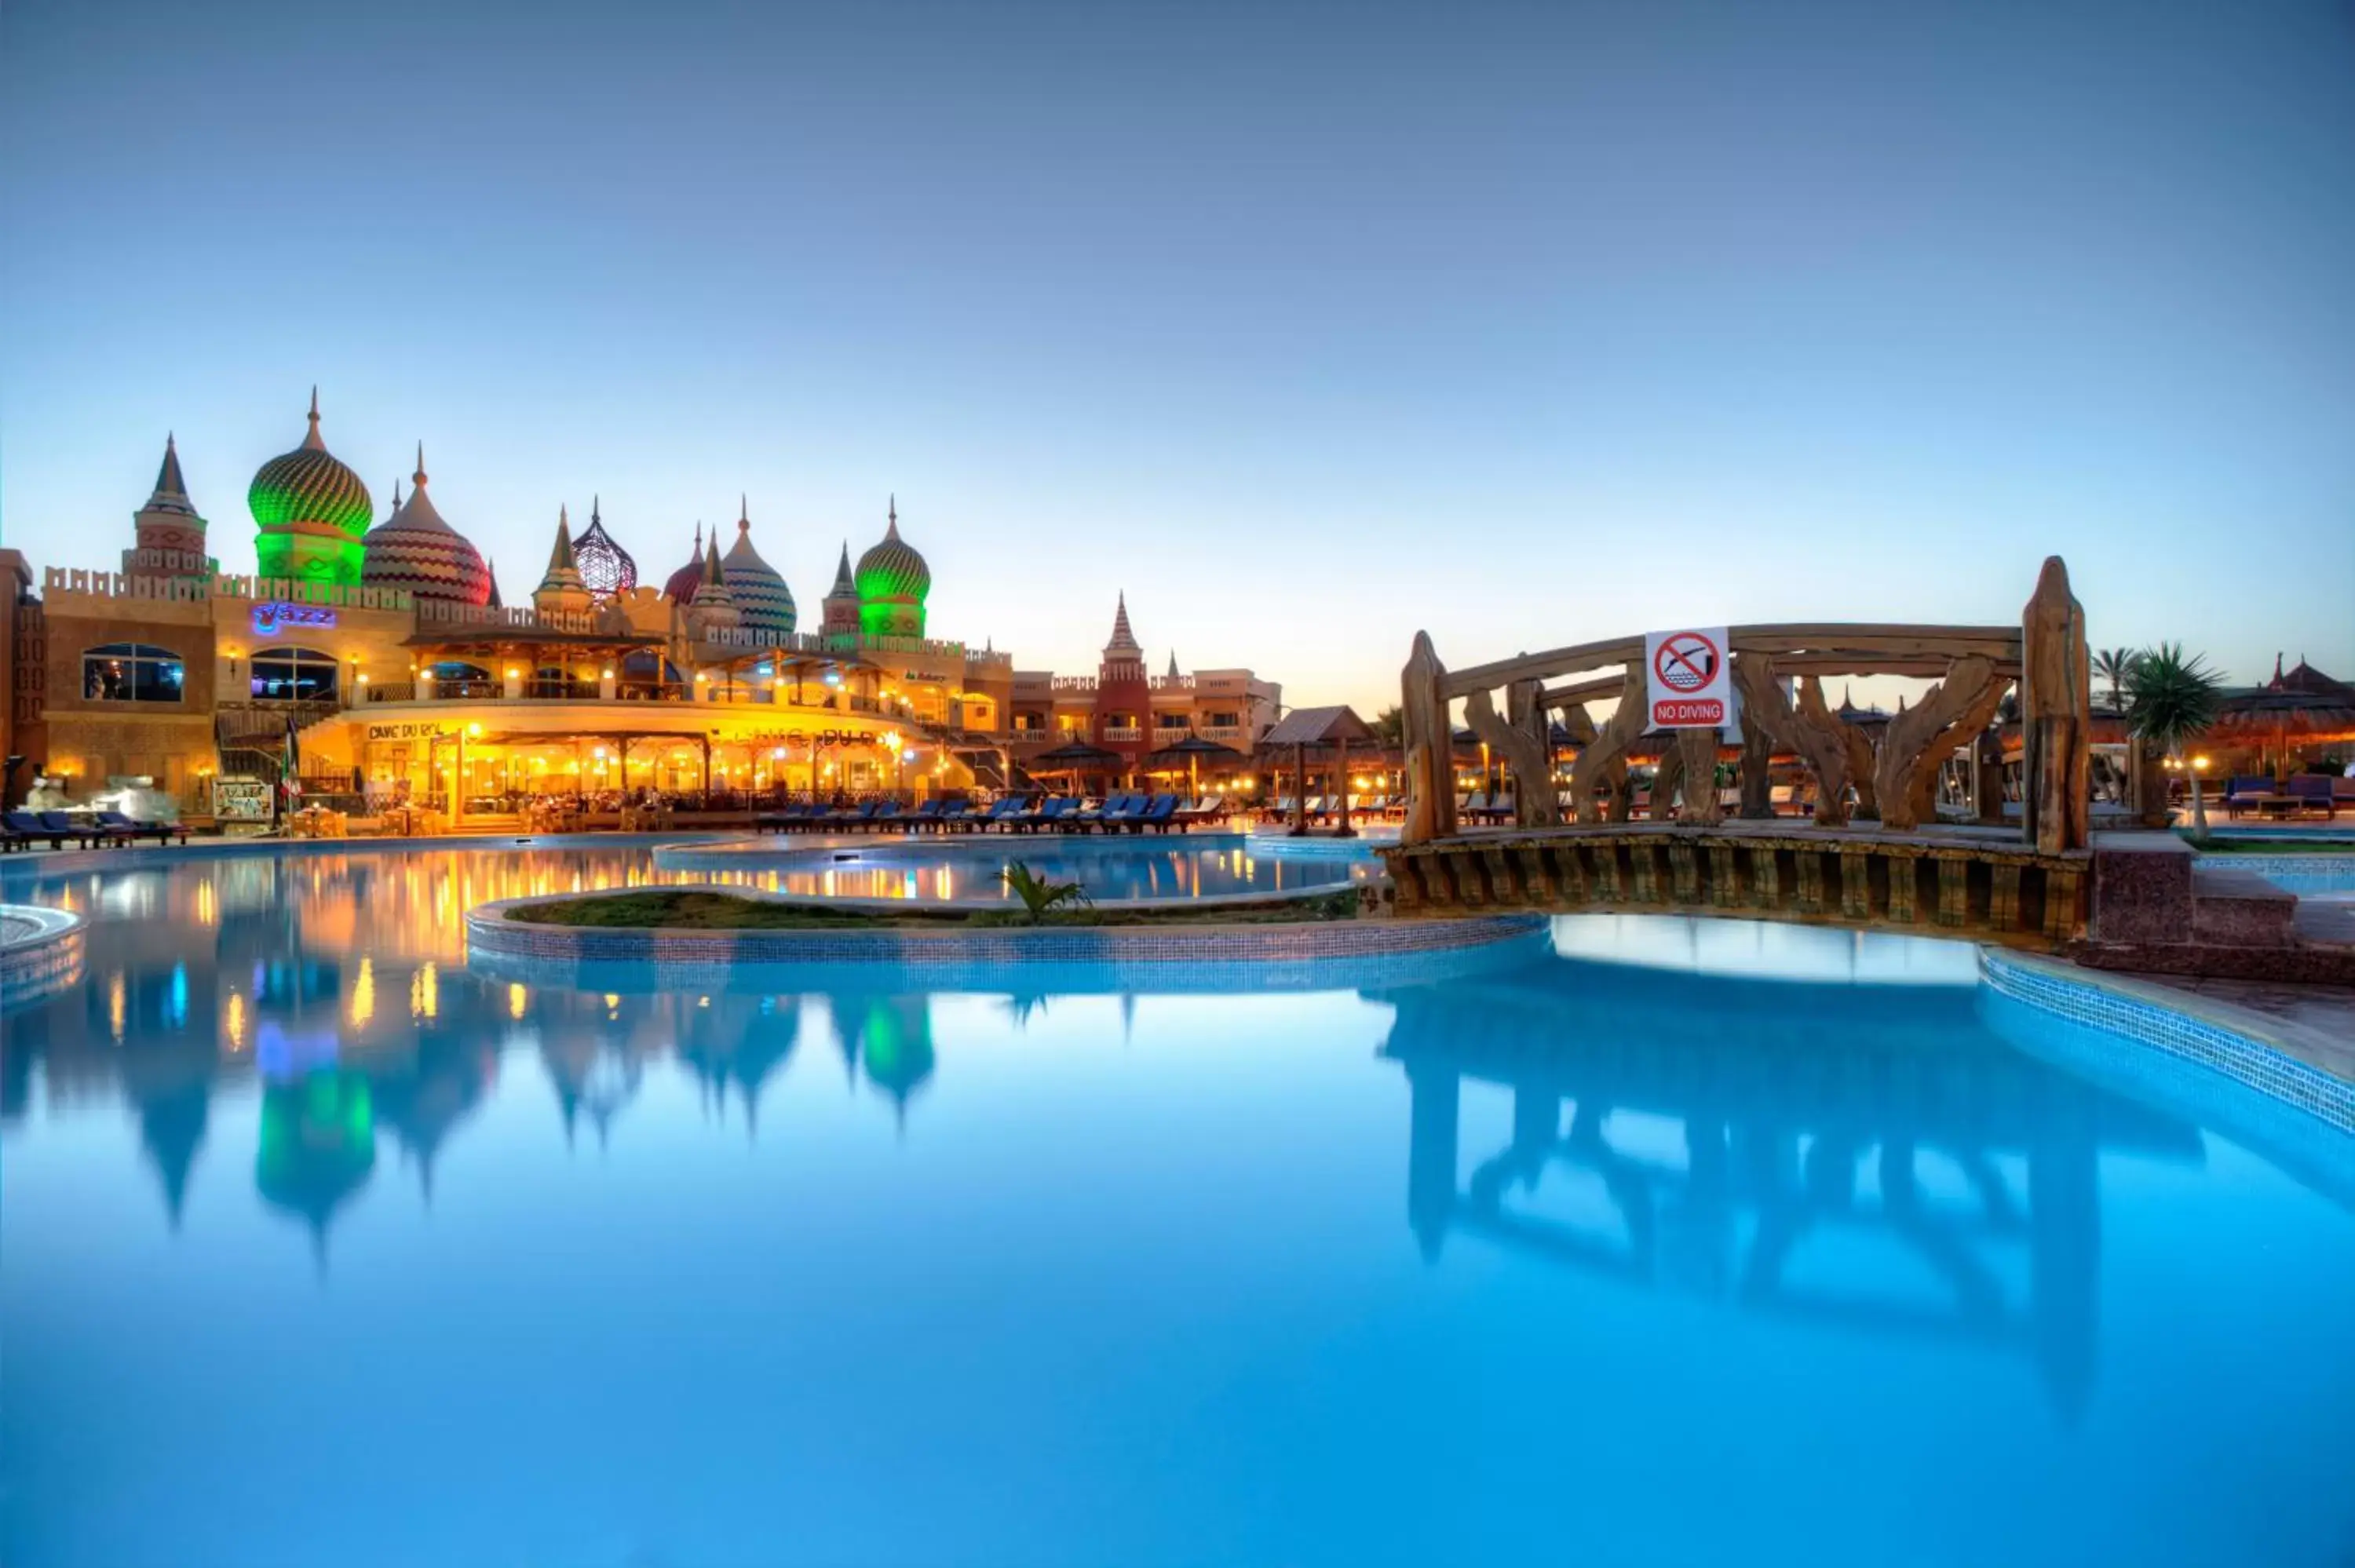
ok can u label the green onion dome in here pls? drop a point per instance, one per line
(308, 485)
(893, 570)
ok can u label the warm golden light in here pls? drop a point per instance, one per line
(516, 999)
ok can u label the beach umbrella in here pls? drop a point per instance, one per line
(2274, 721)
(1192, 752)
(1075, 758)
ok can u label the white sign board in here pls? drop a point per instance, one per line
(1688, 682)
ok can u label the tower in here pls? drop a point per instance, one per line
(838, 622)
(170, 536)
(714, 608)
(1124, 710)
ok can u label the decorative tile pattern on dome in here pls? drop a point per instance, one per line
(762, 599)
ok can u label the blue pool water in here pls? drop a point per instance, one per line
(969, 869)
(1681, 1244)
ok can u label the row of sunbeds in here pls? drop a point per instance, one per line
(24, 830)
(1012, 815)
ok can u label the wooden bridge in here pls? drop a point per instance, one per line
(1874, 854)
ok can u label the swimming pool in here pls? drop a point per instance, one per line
(323, 1248)
(1180, 868)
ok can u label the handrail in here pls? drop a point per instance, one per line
(1826, 644)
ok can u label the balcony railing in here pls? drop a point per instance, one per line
(1123, 732)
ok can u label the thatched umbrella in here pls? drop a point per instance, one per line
(1193, 751)
(2273, 721)
(1075, 759)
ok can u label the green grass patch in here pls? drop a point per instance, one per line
(697, 909)
(2317, 845)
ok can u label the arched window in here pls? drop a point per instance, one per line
(293, 676)
(132, 673)
(458, 670)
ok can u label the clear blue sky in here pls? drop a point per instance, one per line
(1307, 326)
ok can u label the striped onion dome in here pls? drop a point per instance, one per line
(762, 597)
(415, 550)
(893, 570)
(681, 585)
(605, 567)
(308, 485)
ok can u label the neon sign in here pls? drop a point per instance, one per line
(268, 619)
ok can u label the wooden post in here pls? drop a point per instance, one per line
(1428, 744)
(2056, 716)
(1699, 747)
(1757, 784)
(1299, 791)
(1342, 770)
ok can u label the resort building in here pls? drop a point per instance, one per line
(383, 654)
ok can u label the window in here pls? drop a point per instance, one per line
(458, 670)
(132, 673)
(643, 665)
(293, 676)
(1169, 721)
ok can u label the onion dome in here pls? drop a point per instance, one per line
(311, 511)
(680, 588)
(762, 597)
(605, 567)
(893, 570)
(414, 550)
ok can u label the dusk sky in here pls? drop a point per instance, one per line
(1305, 325)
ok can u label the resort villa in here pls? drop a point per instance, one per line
(387, 647)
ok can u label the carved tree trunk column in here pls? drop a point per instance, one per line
(1428, 742)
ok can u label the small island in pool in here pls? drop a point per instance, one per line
(704, 909)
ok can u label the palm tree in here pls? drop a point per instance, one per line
(2116, 666)
(1390, 727)
(2172, 700)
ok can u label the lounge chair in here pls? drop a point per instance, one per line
(1004, 813)
(22, 830)
(1122, 812)
(958, 815)
(1160, 815)
(2245, 792)
(2313, 792)
(64, 827)
(927, 815)
(1048, 813)
(1196, 813)
(115, 822)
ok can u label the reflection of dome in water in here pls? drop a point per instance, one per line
(890, 1038)
(317, 1146)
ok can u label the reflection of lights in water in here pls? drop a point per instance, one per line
(179, 995)
(233, 1021)
(363, 994)
(425, 992)
(208, 904)
(517, 999)
(115, 1004)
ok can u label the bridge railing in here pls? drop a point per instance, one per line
(1778, 671)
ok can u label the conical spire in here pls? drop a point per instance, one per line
(420, 475)
(1124, 641)
(1173, 663)
(891, 525)
(396, 502)
(843, 582)
(171, 491)
(492, 567)
(563, 571)
(312, 441)
(714, 576)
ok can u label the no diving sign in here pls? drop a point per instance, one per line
(1686, 678)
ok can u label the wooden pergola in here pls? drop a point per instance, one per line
(1304, 727)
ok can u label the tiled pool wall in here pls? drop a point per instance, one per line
(2109, 1012)
(40, 951)
(2324, 874)
(1332, 953)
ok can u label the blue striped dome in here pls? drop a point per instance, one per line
(761, 594)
